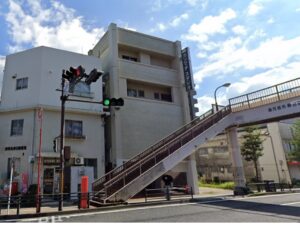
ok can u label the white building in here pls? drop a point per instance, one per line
(147, 72)
(30, 83)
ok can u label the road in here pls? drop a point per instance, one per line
(269, 208)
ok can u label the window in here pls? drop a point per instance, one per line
(22, 83)
(166, 97)
(16, 127)
(141, 93)
(156, 96)
(220, 149)
(203, 151)
(73, 129)
(135, 93)
(131, 92)
(129, 58)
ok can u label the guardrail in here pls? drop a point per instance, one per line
(285, 90)
(269, 186)
(167, 193)
(19, 202)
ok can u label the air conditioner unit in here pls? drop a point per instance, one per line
(79, 160)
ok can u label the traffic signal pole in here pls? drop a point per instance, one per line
(73, 76)
(63, 99)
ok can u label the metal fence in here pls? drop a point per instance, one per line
(285, 90)
(168, 193)
(16, 203)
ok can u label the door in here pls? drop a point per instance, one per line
(48, 181)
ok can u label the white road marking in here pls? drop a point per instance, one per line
(290, 203)
(162, 206)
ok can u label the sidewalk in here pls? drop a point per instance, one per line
(49, 210)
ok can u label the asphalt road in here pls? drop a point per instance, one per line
(270, 208)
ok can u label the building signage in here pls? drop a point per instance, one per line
(187, 69)
(284, 106)
(51, 161)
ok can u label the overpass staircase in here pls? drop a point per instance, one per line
(273, 103)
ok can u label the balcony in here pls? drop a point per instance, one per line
(147, 73)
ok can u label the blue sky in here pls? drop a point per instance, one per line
(249, 43)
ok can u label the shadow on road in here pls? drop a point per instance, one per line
(258, 207)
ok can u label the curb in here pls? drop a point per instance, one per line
(98, 209)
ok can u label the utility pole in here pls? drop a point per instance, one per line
(63, 99)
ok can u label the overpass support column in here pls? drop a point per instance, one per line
(237, 162)
(192, 174)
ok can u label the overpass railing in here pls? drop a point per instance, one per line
(282, 91)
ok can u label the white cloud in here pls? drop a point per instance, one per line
(267, 78)
(176, 21)
(254, 8)
(239, 30)
(205, 102)
(2, 63)
(209, 26)
(56, 26)
(269, 54)
(270, 20)
(158, 5)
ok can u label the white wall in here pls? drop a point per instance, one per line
(43, 67)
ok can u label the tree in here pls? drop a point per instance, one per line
(295, 153)
(252, 147)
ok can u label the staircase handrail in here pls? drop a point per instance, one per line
(152, 148)
(219, 114)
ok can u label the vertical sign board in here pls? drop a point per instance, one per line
(188, 76)
(189, 81)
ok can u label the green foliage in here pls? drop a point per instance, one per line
(295, 153)
(226, 185)
(252, 147)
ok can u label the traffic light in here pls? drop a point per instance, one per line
(93, 76)
(74, 74)
(113, 102)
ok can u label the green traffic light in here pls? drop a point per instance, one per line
(106, 102)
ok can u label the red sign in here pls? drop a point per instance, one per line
(24, 183)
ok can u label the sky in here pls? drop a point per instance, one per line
(251, 44)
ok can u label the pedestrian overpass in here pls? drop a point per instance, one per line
(278, 102)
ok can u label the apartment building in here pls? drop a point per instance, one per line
(213, 159)
(147, 72)
(29, 95)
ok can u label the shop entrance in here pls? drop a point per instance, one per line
(51, 180)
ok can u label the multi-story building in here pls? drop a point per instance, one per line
(148, 73)
(29, 94)
(213, 160)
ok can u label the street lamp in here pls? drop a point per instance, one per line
(268, 135)
(224, 85)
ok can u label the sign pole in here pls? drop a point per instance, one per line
(10, 183)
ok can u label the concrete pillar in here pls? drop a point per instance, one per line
(237, 162)
(116, 125)
(192, 174)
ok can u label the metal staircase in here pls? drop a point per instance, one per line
(130, 178)
(109, 186)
